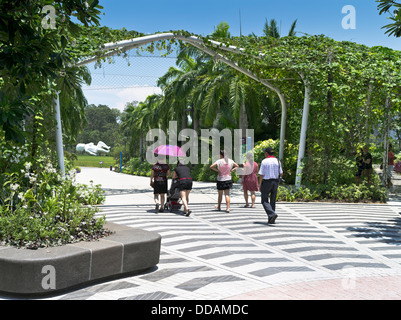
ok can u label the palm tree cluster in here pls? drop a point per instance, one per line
(204, 93)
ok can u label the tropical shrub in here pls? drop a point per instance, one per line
(137, 167)
(39, 207)
(291, 194)
(397, 167)
(342, 193)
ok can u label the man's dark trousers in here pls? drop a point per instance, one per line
(269, 189)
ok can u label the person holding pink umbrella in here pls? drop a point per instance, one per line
(169, 150)
(160, 171)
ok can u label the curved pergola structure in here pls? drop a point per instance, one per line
(116, 48)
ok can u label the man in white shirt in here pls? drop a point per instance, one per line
(270, 173)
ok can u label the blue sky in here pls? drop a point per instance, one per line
(201, 17)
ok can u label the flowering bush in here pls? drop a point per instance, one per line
(397, 167)
(289, 161)
(39, 207)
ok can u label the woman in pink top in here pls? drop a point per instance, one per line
(250, 181)
(223, 167)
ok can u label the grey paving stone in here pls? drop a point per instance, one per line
(162, 274)
(342, 265)
(157, 295)
(244, 262)
(276, 270)
(197, 283)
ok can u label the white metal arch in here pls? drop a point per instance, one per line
(125, 45)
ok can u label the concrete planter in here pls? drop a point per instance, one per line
(49, 270)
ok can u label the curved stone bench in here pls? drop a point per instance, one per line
(48, 270)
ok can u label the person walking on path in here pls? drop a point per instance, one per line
(224, 166)
(250, 181)
(360, 165)
(183, 175)
(158, 180)
(368, 165)
(269, 176)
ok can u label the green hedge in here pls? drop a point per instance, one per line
(340, 186)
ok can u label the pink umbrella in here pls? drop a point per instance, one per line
(169, 150)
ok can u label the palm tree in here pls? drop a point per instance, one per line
(72, 100)
(271, 29)
(179, 84)
(221, 31)
(72, 108)
(227, 92)
(139, 119)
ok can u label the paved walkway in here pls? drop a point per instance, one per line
(314, 251)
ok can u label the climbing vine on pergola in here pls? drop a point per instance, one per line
(336, 92)
(350, 89)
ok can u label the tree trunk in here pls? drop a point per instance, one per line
(141, 147)
(327, 148)
(195, 121)
(184, 119)
(243, 121)
(386, 141)
(367, 112)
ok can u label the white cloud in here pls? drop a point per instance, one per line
(117, 98)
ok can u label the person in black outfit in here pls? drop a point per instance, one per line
(158, 181)
(182, 173)
(368, 165)
(360, 165)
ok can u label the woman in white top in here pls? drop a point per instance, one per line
(224, 166)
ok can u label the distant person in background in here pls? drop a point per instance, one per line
(250, 182)
(368, 165)
(158, 181)
(360, 166)
(183, 175)
(223, 167)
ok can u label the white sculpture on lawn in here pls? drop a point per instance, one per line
(92, 149)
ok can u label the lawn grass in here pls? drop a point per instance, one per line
(94, 161)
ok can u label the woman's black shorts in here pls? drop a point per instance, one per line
(160, 187)
(185, 184)
(224, 185)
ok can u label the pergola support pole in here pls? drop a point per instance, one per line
(302, 140)
(59, 135)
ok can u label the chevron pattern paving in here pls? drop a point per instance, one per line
(216, 255)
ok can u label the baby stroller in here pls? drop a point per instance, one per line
(173, 197)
